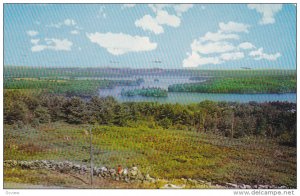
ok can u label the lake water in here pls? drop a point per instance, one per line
(186, 98)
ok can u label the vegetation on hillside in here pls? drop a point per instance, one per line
(68, 87)
(258, 84)
(274, 120)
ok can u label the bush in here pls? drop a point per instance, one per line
(165, 123)
(42, 114)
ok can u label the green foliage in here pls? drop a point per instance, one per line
(146, 92)
(42, 114)
(228, 119)
(251, 85)
(68, 87)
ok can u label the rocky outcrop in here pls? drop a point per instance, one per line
(129, 175)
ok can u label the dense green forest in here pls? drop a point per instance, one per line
(147, 92)
(257, 84)
(273, 120)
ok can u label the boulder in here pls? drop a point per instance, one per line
(171, 186)
(231, 185)
(149, 179)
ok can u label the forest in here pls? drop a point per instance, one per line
(235, 120)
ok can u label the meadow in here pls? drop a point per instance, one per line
(163, 153)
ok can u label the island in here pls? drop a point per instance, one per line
(146, 92)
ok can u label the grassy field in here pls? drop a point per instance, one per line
(256, 84)
(163, 153)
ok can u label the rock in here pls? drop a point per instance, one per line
(133, 172)
(255, 186)
(262, 186)
(125, 172)
(103, 169)
(201, 181)
(135, 168)
(231, 185)
(76, 167)
(191, 181)
(172, 186)
(149, 179)
(112, 171)
(208, 183)
(126, 179)
(84, 168)
(242, 186)
(248, 186)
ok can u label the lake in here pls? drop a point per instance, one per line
(186, 98)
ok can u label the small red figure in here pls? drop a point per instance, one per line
(120, 169)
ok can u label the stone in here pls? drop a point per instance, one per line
(112, 171)
(133, 172)
(192, 182)
(201, 181)
(135, 168)
(231, 185)
(149, 179)
(171, 186)
(248, 186)
(125, 172)
(76, 167)
(103, 169)
(262, 186)
(126, 179)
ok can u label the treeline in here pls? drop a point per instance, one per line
(146, 92)
(273, 119)
(68, 87)
(251, 85)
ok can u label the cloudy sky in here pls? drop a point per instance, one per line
(202, 36)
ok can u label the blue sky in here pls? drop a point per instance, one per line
(198, 36)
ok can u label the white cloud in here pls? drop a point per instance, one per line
(32, 33)
(66, 22)
(34, 41)
(38, 48)
(147, 23)
(194, 60)
(157, 7)
(119, 43)
(233, 27)
(131, 5)
(209, 36)
(259, 54)
(101, 13)
(69, 22)
(163, 18)
(232, 56)
(268, 12)
(53, 44)
(181, 8)
(246, 45)
(212, 47)
(74, 32)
